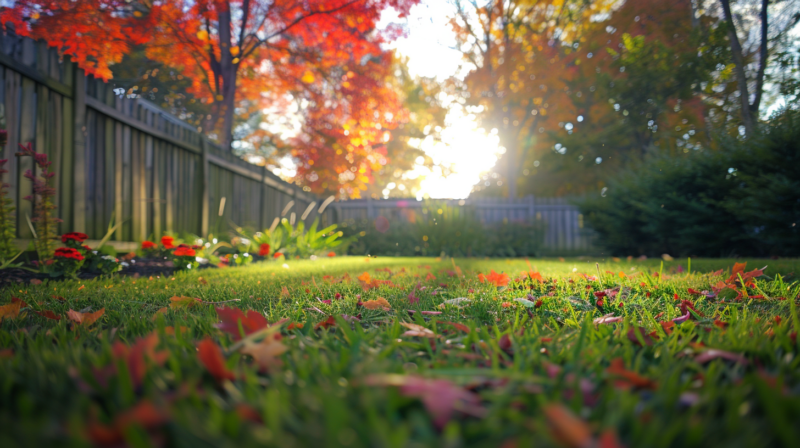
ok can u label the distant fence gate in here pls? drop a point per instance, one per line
(123, 158)
(564, 229)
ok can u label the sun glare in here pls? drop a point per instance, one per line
(463, 154)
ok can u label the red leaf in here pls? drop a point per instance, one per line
(456, 325)
(145, 414)
(648, 340)
(210, 355)
(327, 323)
(609, 439)
(441, 398)
(505, 343)
(231, 317)
(566, 427)
(627, 379)
(48, 314)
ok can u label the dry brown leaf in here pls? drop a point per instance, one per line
(85, 319)
(10, 311)
(417, 330)
(266, 352)
(378, 304)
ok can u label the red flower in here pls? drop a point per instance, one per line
(75, 236)
(68, 252)
(148, 245)
(167, 242)
(331, 254)
(263, 250)
(184, 252)
(278, 254)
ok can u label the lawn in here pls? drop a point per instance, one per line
(620, 353)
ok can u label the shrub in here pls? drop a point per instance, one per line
(740, 199)
(453, 232)
(8, 230)
(294, 240)
(42, 199)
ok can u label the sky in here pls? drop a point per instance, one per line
(465, 148)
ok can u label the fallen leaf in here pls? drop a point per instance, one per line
(440, 397)
(566, 427)
(608, 319)
(160, 311)
(378, 304)
(211, 357)
(327, 323)
(231, 318)
(417, 330)
(456, 325)
(145, 415)
(36, 281)
(712, 354)
(10, 311)
(178, 302)
(632, 336)
(456, 301)
(609, 439)
(266, 352)
(427, 313)
(626, 379)
(85, 319)
(48, 314)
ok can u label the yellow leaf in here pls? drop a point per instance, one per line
(182, 302)
(308, 77)
(202, 35)
(10, 311)
(235, 51)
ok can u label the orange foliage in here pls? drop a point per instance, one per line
(249, 56)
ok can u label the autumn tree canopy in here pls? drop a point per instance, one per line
(244, 56)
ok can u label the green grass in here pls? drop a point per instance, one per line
(62, 385)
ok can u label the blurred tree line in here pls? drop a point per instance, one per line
(581, 90)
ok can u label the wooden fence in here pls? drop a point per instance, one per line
(564, 229)
(124, 158)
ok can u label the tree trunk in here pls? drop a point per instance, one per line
(228, 74)
(762, 60)
(738, 61)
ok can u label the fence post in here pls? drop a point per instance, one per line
(79, 153)
(204, 184)
(531, 208)
(370, 208)
(262, 199)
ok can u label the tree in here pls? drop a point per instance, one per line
(609, 84)
(241, 56)
(509, 43)
(775, 19)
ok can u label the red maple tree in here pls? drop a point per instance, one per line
(243, 56)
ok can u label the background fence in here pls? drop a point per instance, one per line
(564, 229)
(123, 158)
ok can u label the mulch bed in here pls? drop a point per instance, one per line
(137, 267)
